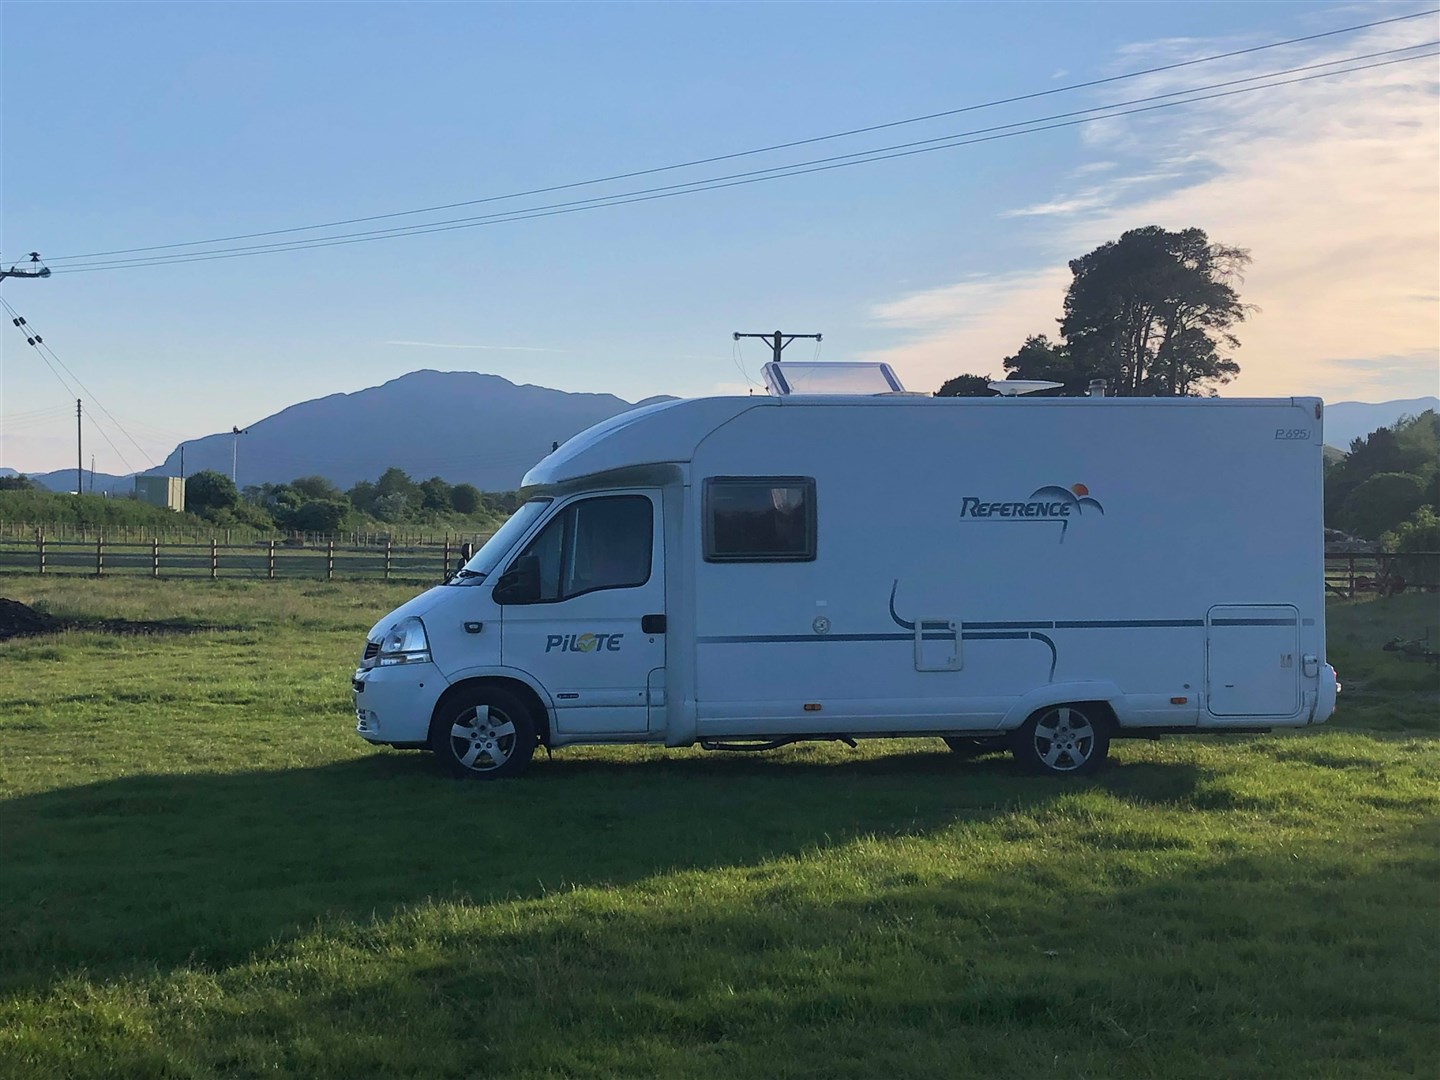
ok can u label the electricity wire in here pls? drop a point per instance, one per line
(96, 425)
(970, 138)
(38, 343)
(1069, 88)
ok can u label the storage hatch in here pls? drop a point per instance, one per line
(1253, 661)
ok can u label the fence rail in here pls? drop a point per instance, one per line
(1351, 574)
(330, 559)
(263, 560)
(179, 534)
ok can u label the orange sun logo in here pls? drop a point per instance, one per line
(1080, 490)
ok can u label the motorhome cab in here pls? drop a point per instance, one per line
(742, 572)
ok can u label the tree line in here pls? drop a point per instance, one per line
(1387, 487)
(1152, 314)
(316, 505)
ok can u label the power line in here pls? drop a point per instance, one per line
(1026, 127)
(95, 424)
(764, 149)
(35, 340)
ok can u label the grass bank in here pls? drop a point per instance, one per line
(206, 874)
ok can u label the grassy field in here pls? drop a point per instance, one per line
(203, 873)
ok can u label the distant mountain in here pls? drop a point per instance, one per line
(470, 427)
(100, 483)
(460, 425)
(1347, 420)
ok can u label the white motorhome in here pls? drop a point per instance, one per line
(742, 572)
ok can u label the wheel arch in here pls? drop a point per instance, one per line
(509, 683)
(1104, 698)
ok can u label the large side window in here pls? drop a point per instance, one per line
(601, 543)
(759, 519)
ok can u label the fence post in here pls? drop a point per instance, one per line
(155, 557)
(270, 562)
(330, 561)
(99, 556)
(214, 560)
(40, 544)
(445, 566)
(387, 560)
(1352, 575)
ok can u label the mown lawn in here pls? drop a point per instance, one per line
(204, 873)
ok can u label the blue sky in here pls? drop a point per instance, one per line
(126, 125)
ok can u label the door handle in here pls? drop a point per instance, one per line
(652, 624)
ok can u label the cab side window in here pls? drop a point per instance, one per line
(759, 519)
(593, 544)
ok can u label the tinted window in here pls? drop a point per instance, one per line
(594, 544)
(759, 519)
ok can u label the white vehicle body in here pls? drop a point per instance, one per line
(966, 564)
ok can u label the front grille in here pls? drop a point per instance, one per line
(372, 650)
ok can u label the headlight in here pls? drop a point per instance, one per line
(404, 643)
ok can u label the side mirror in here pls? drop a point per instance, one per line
(520, 584)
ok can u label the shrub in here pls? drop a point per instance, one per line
(1380, 504)
(1420, 533)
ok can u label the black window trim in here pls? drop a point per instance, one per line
(566, 542)
(812, 538)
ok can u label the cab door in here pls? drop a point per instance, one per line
(591, 628)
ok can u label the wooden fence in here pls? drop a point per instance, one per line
(1353, 574)
(263, 560)
(408, 536)
(330, 559)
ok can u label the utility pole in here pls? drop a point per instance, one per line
(43, 271)
(778, 341)
(182, 461)
(79, 454)
(235, 434)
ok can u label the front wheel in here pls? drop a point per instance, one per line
(1063, 740)
(483, 734)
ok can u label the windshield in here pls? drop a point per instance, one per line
(484, 560)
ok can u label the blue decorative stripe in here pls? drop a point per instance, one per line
(989, 631)
(775, 639)
(1033, 625)
(1252, 622)
(1123, 624)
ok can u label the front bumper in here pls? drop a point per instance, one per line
(393, 705)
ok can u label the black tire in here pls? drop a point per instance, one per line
(483, 734)
(1062, 740)
(969, 748)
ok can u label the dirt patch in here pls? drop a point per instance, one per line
(20, 620)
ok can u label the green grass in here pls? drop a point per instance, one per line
(204, 873)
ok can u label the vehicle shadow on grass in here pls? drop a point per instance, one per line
(992, 967)
(152, 872)
(1294, 959)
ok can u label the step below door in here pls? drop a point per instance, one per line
(1253, 660)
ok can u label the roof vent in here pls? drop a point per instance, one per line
(853, 378)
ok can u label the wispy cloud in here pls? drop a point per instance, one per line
(1089, 200)
(452, 345)
(1333, 185)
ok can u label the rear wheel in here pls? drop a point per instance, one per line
(483, 734)
(1063, 740)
